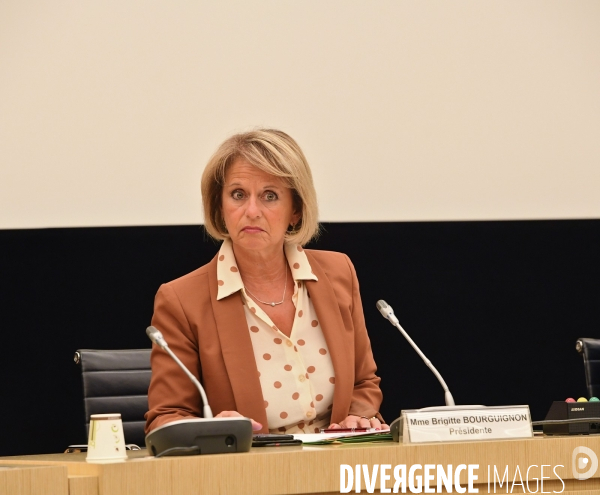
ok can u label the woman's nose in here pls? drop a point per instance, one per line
(253, 208)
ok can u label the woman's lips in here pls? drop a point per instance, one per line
(252, 230)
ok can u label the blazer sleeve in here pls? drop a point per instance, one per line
(172, 395)
(366, 396)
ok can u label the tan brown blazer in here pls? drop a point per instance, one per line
(211, 338)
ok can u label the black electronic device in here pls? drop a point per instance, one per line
(196, 436)
(200, 436)
(572, 418)
(273, 440)
(270, 437)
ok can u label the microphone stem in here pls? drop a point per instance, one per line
(207, 412)
(447, 395)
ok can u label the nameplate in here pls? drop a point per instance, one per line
(466, 423)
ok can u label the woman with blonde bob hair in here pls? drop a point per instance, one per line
(275, 153)
(274, 332)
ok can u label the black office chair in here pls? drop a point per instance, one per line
(117, 382)
(590, 350)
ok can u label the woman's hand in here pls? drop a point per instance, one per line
(359, 422)
(234, 414)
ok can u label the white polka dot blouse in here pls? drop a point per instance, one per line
(296, 373)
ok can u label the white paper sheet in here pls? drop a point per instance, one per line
(318, 437)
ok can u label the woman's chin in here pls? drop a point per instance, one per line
(256, 241)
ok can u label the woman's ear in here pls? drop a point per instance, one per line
(297, 206)
(295, 219)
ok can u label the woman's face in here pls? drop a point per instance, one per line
(257, 207)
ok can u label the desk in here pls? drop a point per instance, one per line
(27, 479)
(283, 470)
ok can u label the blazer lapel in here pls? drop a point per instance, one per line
(238, 354)
(326, 305)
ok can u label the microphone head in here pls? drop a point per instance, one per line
(155, 336)
(381, 304)
(386, 311)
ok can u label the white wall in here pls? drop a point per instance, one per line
(407, 110)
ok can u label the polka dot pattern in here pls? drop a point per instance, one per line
(332, 379)
(294, 371)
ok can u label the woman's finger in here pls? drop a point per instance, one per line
(364, 423)
(256, 426)
(350, 422)
(375, 423)
(228, 414)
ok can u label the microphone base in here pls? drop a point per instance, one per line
(198, 436)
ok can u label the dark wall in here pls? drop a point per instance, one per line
(496, 306)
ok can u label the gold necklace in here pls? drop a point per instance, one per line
(272, 304)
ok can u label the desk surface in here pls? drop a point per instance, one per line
(314, 470)
(27, 479)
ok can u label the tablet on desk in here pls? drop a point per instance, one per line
(273, 440)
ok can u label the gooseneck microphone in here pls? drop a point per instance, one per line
(193, 436)
(388, 313)
(157, 337)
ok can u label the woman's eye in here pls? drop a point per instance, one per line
(270, 196)
(237, 194)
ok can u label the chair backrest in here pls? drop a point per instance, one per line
(117, 382)
(590, 350)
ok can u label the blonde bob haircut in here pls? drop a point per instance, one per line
(275, 153)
